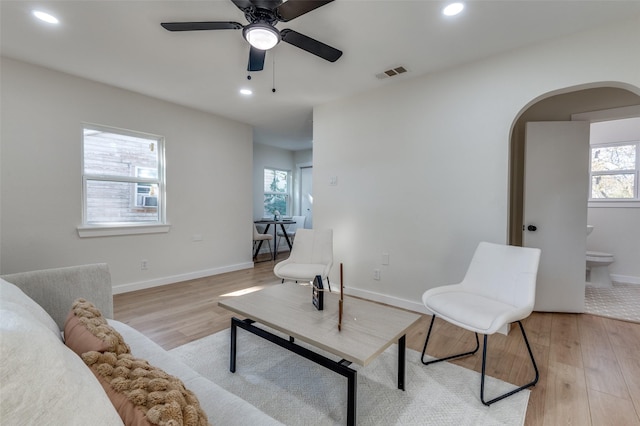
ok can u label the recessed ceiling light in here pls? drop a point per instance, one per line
(46, 17)
(453, 9)
(246, 92)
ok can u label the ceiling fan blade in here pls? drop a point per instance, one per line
(199, 26)
(294, 8)
(243, 4)
(310, 45)
(266, 4)
(256, 59)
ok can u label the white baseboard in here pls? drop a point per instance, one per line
(141, 285)
(627, 279)
(383, 298)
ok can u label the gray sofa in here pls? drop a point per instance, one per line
(43, 382)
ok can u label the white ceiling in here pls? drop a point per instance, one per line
(121, 43)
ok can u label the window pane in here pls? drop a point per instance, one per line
(117, 202)
(112, 154)
(275, 181)
(612, 186)
(621, 157)
(273, 203)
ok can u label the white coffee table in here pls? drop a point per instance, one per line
(367, 329)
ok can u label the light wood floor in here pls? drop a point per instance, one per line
(589, 365)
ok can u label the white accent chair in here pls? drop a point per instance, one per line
(499, 288)
(291, 229)
(311, 255)
(258, 238)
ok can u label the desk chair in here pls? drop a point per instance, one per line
(257, 237)
(291, 229)
(311, 255)
(499, 288)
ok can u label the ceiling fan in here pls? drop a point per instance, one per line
(261, 33)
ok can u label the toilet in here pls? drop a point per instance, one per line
(598, 266)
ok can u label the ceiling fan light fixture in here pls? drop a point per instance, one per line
(261, 36)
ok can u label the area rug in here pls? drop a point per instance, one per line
(297, 391)
(621, 301)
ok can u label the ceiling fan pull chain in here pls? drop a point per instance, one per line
(273, 89)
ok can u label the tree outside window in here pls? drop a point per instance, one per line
(614, 171)
(276, 192)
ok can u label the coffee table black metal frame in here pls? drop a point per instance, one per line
(341, 367)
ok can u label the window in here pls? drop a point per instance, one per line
(123, 178)
(276, 192)
(614, 172)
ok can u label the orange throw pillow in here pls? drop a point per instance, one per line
(87, 330)
(142, 394)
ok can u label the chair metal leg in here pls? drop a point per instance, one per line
(255, 254)
(484, 358)
(484, 362)
(328, 283)
(424, 350)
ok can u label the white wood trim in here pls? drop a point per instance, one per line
(626, 279)
(608, 114)
(156, 282)
(89, 231)
(386, 299)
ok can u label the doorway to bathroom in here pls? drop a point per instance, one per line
(557, 106)
(613, 235)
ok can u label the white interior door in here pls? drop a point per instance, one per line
(306, 197)
(555, 210)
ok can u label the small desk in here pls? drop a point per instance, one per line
(275, 224)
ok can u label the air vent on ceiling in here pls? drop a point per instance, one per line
(392, 72)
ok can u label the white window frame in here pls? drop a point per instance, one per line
(125, 228)
(287, 195)
(616, 202)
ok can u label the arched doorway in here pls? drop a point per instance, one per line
(556, 106)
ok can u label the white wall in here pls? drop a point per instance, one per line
(304, 156)
(422, 165)
(617, 230)
(208, 181)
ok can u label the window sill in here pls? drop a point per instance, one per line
(614, 204)
(90, 231)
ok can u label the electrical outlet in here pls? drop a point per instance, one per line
(385, 258)
(144, 264)
(376, 274)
